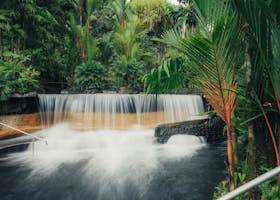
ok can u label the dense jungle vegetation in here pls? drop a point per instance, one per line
(229, 49)
(84, 46)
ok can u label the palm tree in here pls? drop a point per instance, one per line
(214, 52)
(150, 12)
(84, 39)
(120, 9)
(127, 37)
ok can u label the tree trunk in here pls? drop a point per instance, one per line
(251, 159)
(229, 150)
(230, 158)
(234, 148)
(251, 156)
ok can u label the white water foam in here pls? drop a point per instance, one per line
(107, 161)
(112, 152)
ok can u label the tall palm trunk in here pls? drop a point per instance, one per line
(225, 112)
(251, 156)
(251, 151)
(234, 147)
(229, 150)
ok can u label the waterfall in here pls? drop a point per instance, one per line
(118, 111)
(112, 164)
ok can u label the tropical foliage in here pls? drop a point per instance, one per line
(59, 36)
(89, 77)
(17, 76)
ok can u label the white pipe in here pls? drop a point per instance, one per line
(25, 133)
(251, 184)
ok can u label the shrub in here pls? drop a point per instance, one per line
(16, 78)
(270, 189)
(89, 76)
(127, 73)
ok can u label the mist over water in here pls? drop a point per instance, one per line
(125, 162)
(112, 152)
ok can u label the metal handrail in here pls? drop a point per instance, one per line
(25, 133)
(251, 184)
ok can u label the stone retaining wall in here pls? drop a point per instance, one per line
(209, 128)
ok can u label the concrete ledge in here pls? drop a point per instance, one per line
(25, 122)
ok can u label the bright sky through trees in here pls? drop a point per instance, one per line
(173, 1)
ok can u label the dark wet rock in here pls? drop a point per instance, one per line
(20, 104)
(64, 92)
(123, 90)
(109, 92)
(211, 129)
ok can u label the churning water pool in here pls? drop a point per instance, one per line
(112, 165)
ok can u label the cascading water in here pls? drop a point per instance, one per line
(118, 111)
(113, 164)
